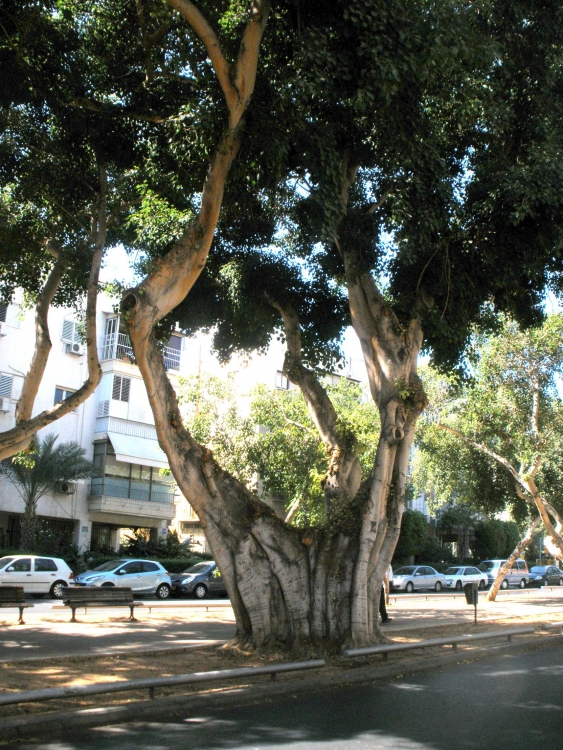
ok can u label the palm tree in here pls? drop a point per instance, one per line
(39, 471)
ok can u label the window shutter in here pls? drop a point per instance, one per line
(3, 311)
(116, 393)
(121, 388)
(70, 332)
(103, 408)
(125, 388)
(6, 385)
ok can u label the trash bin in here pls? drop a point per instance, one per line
(471, 593)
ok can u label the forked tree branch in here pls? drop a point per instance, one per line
(16, 439)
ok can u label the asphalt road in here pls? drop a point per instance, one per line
(513, 702)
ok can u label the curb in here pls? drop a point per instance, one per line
(63, 725)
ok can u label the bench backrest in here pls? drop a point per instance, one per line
(91, 594)
(12, 595)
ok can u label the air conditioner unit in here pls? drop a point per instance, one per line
(74, 349)
(3, 328)
(4, 404)
(66, 488)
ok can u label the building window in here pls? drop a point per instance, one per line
(121, 388)
(282, 383)
(3, 312)
(61, 394)
(71, 334)
(6, 385)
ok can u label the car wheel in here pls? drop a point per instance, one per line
(522, 583)
(504, 584)
(106, 585)
(561, 582)
(163, 591)
(57, 589)
(458, 586)
(409, 588)
(438, 586)
(482, 584)
(200, 591)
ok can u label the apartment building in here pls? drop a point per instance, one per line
(131, 488)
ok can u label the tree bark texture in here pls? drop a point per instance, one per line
(28, 537)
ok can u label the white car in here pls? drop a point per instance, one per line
(458, 576)
(37, 574)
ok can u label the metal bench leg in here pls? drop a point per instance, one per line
(20, 621)
(132, 618)
(73, 618)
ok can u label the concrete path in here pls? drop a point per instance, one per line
(48, 632)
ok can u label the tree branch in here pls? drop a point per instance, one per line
(344, 473)
(16, 439)
(487, 451)
(210, 41)
(43, 344)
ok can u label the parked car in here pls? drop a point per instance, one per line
(411, 577)
(546, 575)
(199, 580)
(518, 575)
(457, 577)
(37, 574)
(141, 576)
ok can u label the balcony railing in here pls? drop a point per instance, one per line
(131, 489)
(118, 346)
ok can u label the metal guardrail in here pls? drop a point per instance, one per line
(452, 641)
(151, 683)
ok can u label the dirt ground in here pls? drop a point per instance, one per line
(36, 674)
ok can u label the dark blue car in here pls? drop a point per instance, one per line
(201, 579)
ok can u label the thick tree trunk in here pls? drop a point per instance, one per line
(520, 547)
(28, 536)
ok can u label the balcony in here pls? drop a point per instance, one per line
(118, 346)
(133, 498)
(125, 509)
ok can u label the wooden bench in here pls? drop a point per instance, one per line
(106, 596)
(13, 596)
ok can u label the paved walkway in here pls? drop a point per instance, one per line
(48, 632)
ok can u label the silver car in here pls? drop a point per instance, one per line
(141, 576)
(412, 577)
(517, 575)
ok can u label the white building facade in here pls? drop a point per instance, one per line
(115, 426)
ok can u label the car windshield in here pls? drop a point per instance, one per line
(486, 566)
(4, 561)
(407, 571)
(535, 569)
(111, 565)
(453, 571)
(200, 567)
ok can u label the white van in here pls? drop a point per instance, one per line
(36, 574)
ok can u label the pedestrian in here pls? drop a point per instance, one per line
(384, 598)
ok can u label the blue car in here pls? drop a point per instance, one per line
(141, 576)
